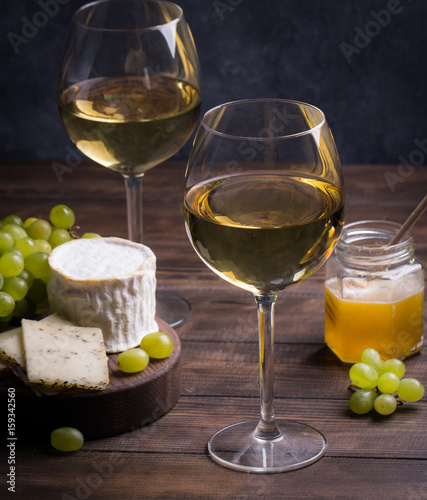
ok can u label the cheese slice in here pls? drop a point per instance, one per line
(64, 356)
(11, 347)
(107, 283)
(12, 351)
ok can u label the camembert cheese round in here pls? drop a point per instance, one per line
(109, 283)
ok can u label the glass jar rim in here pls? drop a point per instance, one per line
(362, 230)
(172, 6)
(368, 242)
(209, 116)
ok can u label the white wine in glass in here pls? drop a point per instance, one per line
(117, 121)
(263, 209)
(129, 97)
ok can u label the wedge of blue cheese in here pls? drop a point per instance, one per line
(64, 356)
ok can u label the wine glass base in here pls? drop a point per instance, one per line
(237, 448)
(172, 308)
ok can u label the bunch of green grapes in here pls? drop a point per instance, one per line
(379, 385)
(24, 269)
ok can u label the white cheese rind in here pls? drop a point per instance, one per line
(92, 286)
(64, 356)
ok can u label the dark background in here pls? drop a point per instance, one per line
(374, 94)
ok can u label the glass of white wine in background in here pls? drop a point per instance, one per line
(263, 209)
(129, 97)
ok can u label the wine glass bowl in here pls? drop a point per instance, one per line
(129, 91)
(130, 124)
(263, 208)
(129, 95)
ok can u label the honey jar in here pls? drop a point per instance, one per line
(374, 293)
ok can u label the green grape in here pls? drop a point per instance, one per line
(58, 237)
(14, 251)
(363, 376)
(40, 229)
(43, 246)
(62, 217)
(23, 309)
(91, 235)
(157, 345)
(28, 222)
(37, 264)
(42, 306)
(388, 382)
(37, 293)
(394, 366)
(66, 439)
(16, 287)
(17, 232)
(362, 401)
(385, 404)
(11, 265)
(410, 389)
(4, 321)
(13, 219)
(6, 241)
(371, 357)
(7, 304)
(132, 360)
(1, 281)
(26, 245)
(28, 277)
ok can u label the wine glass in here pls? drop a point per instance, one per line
(129, 97)
(263, 209)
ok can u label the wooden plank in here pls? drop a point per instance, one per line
(115, 475)
(301, 370)
(195, 419)
(383, 185)
(236, 317)
(298, 317)
(363, 183)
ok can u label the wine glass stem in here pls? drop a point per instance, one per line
(134, 207)
(267, 428)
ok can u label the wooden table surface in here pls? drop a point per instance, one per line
(368, 457)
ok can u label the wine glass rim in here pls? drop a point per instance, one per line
(178, 18)
(308, 131)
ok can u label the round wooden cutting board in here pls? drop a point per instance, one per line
(129, 402)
